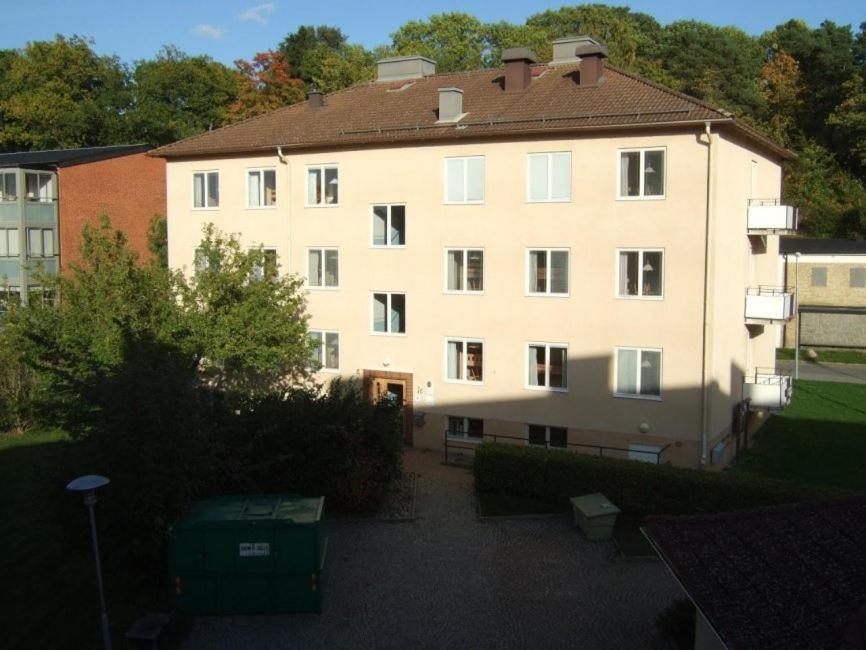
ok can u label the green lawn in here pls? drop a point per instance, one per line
(819, 439)
(49, 597)
(830, 356)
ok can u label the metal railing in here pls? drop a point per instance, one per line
(462, 441)
(766, 290)
(768, 376)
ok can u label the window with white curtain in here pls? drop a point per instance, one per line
(326, 350)
(389, 225)
(638, 372)
(40, 242)
(389, 313)
(323, 185)
(9, 242)
(464, 270)
(469, 429)
(547, 366)
(547, 271)
(542, 436)
(267, 270)
(261, 188)
(323, 268)
(464, 179)
(464, 360)
(205, 190)
(642, 173)
(8, 189)
(549, 177)
(39, 186)
(639, 273)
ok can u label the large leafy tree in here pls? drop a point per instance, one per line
(332, 70)
(296, 46)
(60, 93)
(454, 40)
(782, 89)
(264, 84)
(177, 95)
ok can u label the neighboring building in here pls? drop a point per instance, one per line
(558, 254)
(790, 576)
(830, 275)
(46, 197)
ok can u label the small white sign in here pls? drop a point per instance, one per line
(255, 549)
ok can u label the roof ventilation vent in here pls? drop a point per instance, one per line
(404, 67)
(450, 104)
(315, 99)
(572, 49)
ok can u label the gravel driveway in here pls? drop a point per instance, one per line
(450, 580)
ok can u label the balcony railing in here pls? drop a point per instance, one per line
(768, 304)
(765, 388)
(770, 216)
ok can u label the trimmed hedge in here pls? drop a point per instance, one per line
(640, 488)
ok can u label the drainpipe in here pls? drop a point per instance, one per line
(285, 162)
(705, 334)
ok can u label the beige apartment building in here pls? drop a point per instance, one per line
(558, 254)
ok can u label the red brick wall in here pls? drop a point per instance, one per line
(129, 189)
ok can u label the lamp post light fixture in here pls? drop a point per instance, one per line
(87, 486)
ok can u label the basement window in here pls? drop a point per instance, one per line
(642, 173)
(323, 185)
(550, 437)
(468, 429)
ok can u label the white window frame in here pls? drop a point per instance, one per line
(465, 437)
(640, 252)
(547, 429)
(638, 395)
(51, 190)
(324, 333)
(372, 316)
(323, 250)
(42, 233)
(465, 250)
(261, 270)
(9, 240)
(465, 181)
(549, 156)
(4, 198)
(322, 167)
(527, 283)
(206, 173)
(373, 244)
(466, 341)
(547, 388)
(640, 196)
(261, 171)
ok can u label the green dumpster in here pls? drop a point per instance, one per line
(249, 555)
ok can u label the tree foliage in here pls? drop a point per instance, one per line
(177, 95)
(296, 46)
(264, 84)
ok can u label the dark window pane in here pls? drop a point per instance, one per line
(475, 428)
(558, 437)
(652, 274)
(536, 435)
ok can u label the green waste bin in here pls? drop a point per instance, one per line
(249, 555)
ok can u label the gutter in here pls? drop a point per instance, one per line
(706, 321)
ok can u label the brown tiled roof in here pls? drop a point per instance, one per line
(378, 113)
(780, 577)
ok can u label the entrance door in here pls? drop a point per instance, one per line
(396, 386)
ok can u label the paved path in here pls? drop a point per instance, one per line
(449, 580)
(854, 373)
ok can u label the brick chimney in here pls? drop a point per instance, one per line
(592, 55)
(315, 99)
(518, 71)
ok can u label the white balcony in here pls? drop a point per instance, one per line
(769, 216)
(768, 305)
(767, 389)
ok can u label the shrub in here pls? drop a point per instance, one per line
(640, 488)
